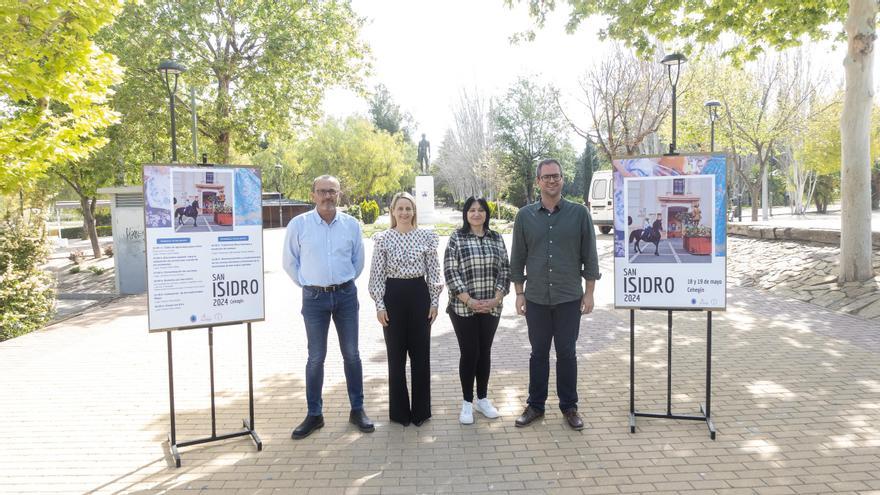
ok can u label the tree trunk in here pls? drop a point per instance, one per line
(765, 193)
(855, 138)
(88, 209)
(223, 138)
(755, 191)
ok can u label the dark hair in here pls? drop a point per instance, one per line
(466, 226)
(548, 161)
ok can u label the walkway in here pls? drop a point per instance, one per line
(796, 400)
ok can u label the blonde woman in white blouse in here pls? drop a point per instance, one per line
(405, 283)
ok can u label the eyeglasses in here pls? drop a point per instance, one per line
(551, 178)
(327, 192)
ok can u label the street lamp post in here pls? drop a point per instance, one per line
(172, 68)
(279, 169)
(712, 107)
(673, 60)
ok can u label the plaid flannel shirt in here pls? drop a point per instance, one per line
(478, 266)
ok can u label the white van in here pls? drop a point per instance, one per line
(601, 201)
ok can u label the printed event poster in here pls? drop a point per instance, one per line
(204, 234)
(670, 232)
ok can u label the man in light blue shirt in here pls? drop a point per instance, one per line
(324, 254)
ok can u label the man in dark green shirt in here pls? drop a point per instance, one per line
(554, 247)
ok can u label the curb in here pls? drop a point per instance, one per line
(823, 236)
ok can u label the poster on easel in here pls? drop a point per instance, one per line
(670, 232)
(204, 240)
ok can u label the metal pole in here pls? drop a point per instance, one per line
(632, 366)
(173, 124)
(669, 365)
(211, 361)
(171, 389)
(672, 147)
(250, 378)
(712, 138)
(195, 124)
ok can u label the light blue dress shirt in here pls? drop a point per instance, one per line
(322, 254)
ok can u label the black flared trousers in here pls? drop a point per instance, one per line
(407, 302)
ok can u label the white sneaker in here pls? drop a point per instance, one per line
(485, 407)
(467, 413)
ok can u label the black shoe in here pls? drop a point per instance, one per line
(528, 416)
(307, 427)
(360, 419)
(574, 419)
(420, 422)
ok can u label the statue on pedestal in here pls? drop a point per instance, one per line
(424, 155)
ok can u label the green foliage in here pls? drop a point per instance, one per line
(528, 127)
(78, 233)
(97, 270)
(493, 208)
(54, 83)
(826, 187)
(756, 23)
(387, 115)
(366, 162)
(369, 211)
(74, 269)
(355, 211)
(27, 296)
(508, 212)
(260, 68)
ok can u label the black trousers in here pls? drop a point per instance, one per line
(407, 302)
(558, 325)
(475, 334)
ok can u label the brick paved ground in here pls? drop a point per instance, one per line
(796, 400)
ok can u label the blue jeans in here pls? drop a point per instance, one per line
(317, 309)
(558, 325)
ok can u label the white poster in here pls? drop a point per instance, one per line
(204, 240)
(670, 232)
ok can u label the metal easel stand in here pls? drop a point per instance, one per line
(247, 424)
(704, 408)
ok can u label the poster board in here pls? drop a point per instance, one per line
(204, 240)
(670, 232)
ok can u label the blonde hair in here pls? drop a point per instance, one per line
(394, 200)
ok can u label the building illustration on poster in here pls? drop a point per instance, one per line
(670, 232)
(204, 246)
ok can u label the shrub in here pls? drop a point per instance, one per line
(97, 270)
(27, 298)
(74, 269)
(76, 256)
(508, 212)
(369, 211)
(108, 250)
(493, 208)
(355, 211)
(78, 233)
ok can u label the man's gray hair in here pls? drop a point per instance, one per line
(547, 161)
(325, 177)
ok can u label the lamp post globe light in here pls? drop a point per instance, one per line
(673, 63)
(170, 68)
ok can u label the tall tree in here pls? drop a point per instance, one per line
(778, 24)
(54, 83)
(466, 161)
(387, 115)
(259, 67)
(528, 127)
(626, 100)
(367, 162)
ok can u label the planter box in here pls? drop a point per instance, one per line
(223, 218)
(698, 245)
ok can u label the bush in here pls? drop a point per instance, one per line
(78, 233)
(74, 269)
(369, 211)
(508, 212)
(493, 208)
(76, 256)
(97, 270)
(27, 298)
(108, 250)
(355, 211)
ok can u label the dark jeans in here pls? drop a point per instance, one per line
(559, 324)
(408, 333)
(475, 334)
(317, 309)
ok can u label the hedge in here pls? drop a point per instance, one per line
(78, 233)
(27, 295)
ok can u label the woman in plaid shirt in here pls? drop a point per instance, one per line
(477, 272)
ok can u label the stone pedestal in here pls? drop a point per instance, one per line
(425, 199)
